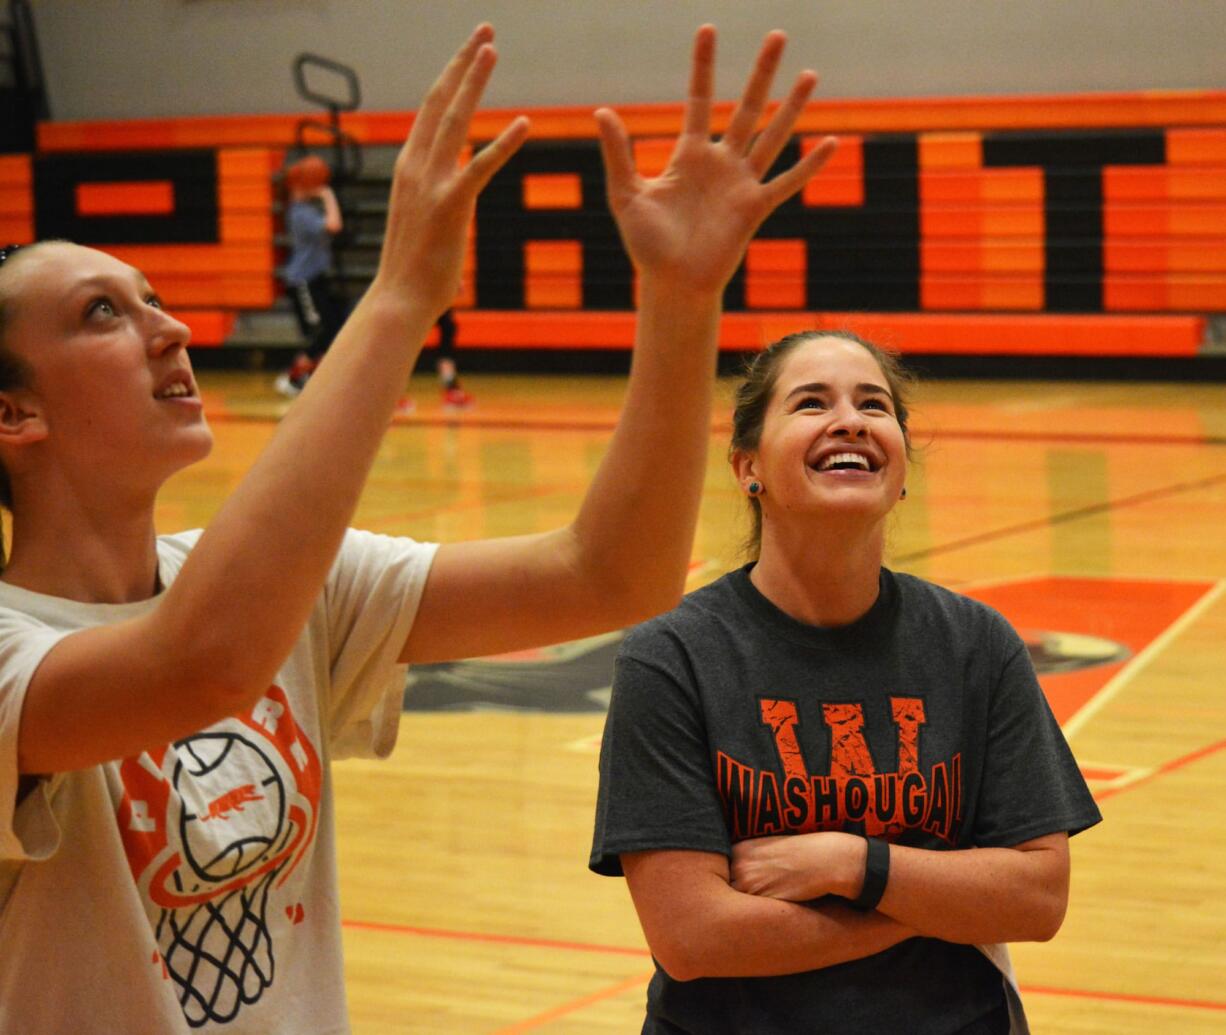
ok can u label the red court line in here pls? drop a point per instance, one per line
(621, 950)
(1059, 519)
(492, 939)
(576, 1004)
(1124, 997)
(1164, 769)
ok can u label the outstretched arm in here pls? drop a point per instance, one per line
(224, 627)
(625, 555)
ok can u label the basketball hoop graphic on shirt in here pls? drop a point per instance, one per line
(213, 827)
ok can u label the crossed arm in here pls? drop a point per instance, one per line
(705, 917)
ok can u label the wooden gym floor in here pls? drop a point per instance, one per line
(1092, 514)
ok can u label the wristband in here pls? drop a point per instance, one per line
(876, 874)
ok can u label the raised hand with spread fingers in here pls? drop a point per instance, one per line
(433, 194)
(690, 225)
(626, 554)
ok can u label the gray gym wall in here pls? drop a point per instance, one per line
(155, 58)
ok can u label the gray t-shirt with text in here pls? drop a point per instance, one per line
(922, 723)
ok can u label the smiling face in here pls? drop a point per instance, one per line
(831, 446)
(109, 384)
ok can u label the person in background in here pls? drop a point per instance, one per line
(835, 791)
(312, 219)
(454, 395)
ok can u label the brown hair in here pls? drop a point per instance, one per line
(754, 393)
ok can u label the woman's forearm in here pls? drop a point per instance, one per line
(635, 526)
(264, 558)
(974, 896)
(981, 895)
(260, 564)
(698, 926)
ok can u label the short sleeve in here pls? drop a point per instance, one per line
(1031, 783)
(656, 787)
(27, 829)
(371, 597)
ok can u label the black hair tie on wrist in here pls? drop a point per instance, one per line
(876, 874)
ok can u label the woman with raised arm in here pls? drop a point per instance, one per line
(834, 791)
(170, 705)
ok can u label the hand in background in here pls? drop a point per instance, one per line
(690, 225)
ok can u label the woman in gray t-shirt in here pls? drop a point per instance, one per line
(800, 758)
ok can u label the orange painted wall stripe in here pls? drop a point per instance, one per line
(195, 259)
(1142, 292)
(136, 198)
(1190, 108)
(935, 333)
(775, 274)
(15, 171)
(1165, 183)
(236, 273)
(553, 272)
(951, 151)
(842, 179)
(16, 200)
(209, 328)
(1196, 147)
(552, 190)
(1160, 220)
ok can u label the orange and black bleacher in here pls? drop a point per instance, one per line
(1089, 226)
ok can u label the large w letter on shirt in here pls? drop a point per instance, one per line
(855, 789)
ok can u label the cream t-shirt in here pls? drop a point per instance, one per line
(193, 887)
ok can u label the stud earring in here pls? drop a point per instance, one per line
(755, 488)
(903, 495)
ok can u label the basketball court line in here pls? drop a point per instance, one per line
(1163, 770)
(1125, 676)
(611, 991)
(577, 1004)
(471, 419)
(973, 584)
(491, 939)
(620, 950)
(1064, 517)
(1126, 997)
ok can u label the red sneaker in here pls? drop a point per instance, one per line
(292, 382)
(456, 399)
(404, 406)
(302, 367)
